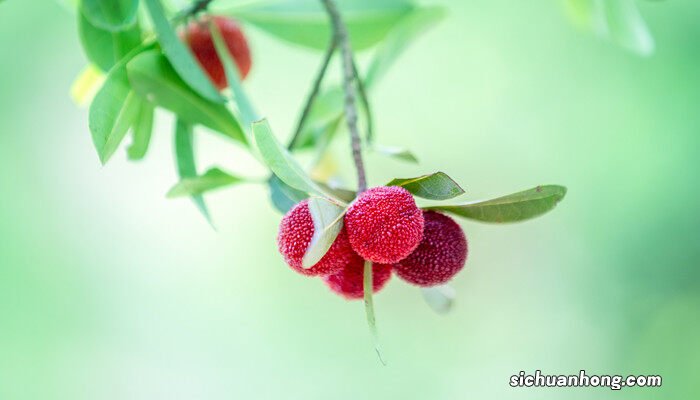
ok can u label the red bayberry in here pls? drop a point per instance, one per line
(295, 233)
(384, 224)
(439, 256)
(349, 282)
(198, 37)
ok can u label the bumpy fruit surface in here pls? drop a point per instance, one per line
(295, 233)
(198, 37)
(439, 256)
(349, 281)
(384, 224)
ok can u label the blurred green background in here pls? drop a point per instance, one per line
(110, 291)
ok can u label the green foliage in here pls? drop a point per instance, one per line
(304, 22)
(111, 15)
(154, 79)
(398, 153)
(105, 48)
(213, 179)
(283, 196)
(142, 129)
(617, 20)
(184, 158)
(512, 208)
(437, 186)
(328, 221)
(179, 55)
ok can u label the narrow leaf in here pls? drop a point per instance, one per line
(110, 15)
(283, 196)
(437, 186)
(142, 129)
(213, 179)
(339, 193)
(184, 155)
(105, 48)
(179, 55)
(281, 162)
(396, 152)
(305, 22)
(512, 208)
(86, 85)
(439, 298)
(368, 286)
(154, 79)
(328, 221)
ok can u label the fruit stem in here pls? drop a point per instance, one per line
(368, 287)
(340, 34)
(332, 46)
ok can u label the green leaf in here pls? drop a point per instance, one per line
(328, 221)
(396, 152)
(179, 55)
(112, 112)
(617, 20)
(239, 96)
(142, 128)
(437, 186)
(439, 298)
(283, 196)
(105, 48)
(305, 22)
(281, 162)
(154, 79)
(86, 85)
(512, 208)
(418, 22)
(324, 118)
(213, 179)
(184, 155)
(110, 15)
(338, 193)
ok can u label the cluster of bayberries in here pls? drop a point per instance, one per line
(385, 226)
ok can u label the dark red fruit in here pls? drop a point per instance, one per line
(295, 233)
(384, 224)
(439, 256)
(349, 281)
(198, 37)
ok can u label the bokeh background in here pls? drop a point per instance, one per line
(110, 291)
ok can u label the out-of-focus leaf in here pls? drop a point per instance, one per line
(439, 298)
(106, 48)
(512, 208)
(86, 85)
(339, 193)
(153, 78)
(396, 152)
(179, 55)
(281, 162)
(142, 128)
(283, 196)
(328, 221)
(617, 20)
(324, 117)
(184, 157)
(213, 179)
(111, 15)
(437, 186)
(305, 22)
(112, 112)
(417, 22)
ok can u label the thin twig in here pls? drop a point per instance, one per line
(340, 32)
(332, 46)
(197, 7)
(365, 102)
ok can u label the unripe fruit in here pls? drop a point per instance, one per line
(439, 256)
(349, 282)
(384, 224)
(198, 37)
(294, 237)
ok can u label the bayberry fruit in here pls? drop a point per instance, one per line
(198, 38)
(294, 237)
(349, 282)
(439, 256)
(384, 224)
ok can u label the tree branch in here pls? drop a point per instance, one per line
(332, 46)
(365, 103)
(340, 33)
